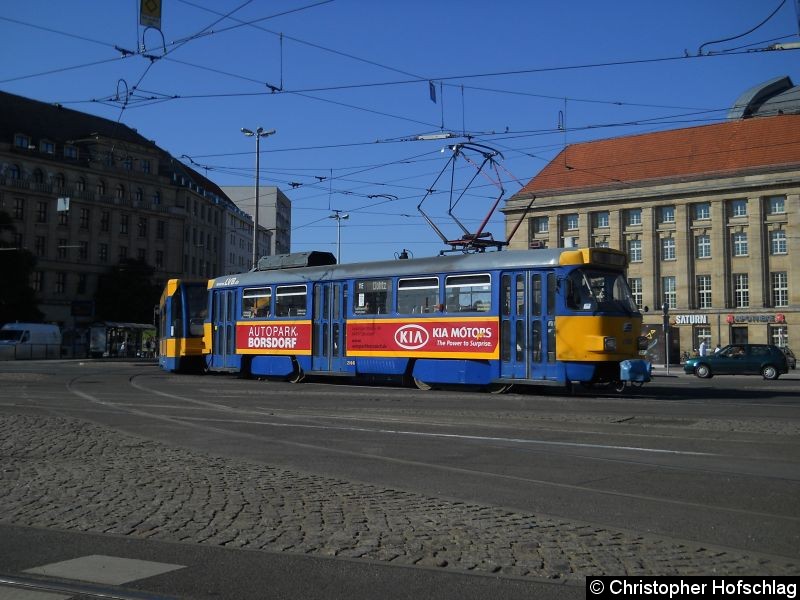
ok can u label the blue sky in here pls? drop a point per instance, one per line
(354, 76)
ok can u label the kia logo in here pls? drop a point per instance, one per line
(411, 337)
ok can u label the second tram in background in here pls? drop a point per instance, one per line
(488, 320)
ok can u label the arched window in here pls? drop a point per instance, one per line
(15, 172)
(60, 181)
(139, 194)
(101, 188)
(120, 192)
(80, 185)
(38, 176)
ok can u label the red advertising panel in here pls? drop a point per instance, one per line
(274, 337)
(457, 337)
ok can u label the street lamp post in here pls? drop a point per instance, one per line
(337, 214)
(258, 134)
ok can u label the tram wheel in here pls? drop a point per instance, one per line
(618, 386)
(422, 385)
(498, 388)
(296, 377)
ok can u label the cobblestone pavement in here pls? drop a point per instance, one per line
(72, 475)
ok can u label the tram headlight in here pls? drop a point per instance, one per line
(610, 344)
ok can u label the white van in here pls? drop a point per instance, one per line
(29, 340)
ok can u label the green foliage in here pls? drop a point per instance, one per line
(17, 298)
(127, 293)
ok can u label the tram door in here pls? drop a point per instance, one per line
(514, 325)
(328, 341)
(224, 334)
(527, 325)
(543, 320)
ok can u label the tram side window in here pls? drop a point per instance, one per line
(417, 295)
(372, 297)
(290, 301)
(256, 303)
(468, 293)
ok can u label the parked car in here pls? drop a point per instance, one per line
(740, 359)
(790, 357)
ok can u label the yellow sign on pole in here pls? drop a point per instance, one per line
(150, 13)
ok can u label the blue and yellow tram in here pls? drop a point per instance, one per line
(490, 320)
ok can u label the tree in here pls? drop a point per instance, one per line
(127, 293)
(17, 297)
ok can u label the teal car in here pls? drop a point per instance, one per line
(740, 359)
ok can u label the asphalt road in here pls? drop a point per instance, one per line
(514, 491)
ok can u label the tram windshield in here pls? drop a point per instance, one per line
(599, 291)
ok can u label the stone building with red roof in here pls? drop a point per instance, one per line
(709, 217)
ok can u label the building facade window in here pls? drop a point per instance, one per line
(741, 290)
(102, 252)
(740, 244)
(635, 250)
(601, 219)
(779, 335)
(123, 253)
(776, 205)
(70, 152)
(161, 228)
(19, 208)
(145, 165)
(738, 208)
(670, 291)
(702, 210)
(41, 212)
(40, 246)
(61, 250)
(666, 214)
(120, 192)
(635, 283)
(780, 289)
(83, 250)
(142, 227)
(105, 221)
(14, 173)
(777, 242)
(100, 188)
(123, 223)
(138, 195)
(702, 246)
(60, 182)
(37, 281)
(668, 249)
(633, 216)
(81, 283)
(571, 221)
(704, 291)
(85, 218)
(159, 259)
(61, 283)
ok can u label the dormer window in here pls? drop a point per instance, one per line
(71, 152)
(22, 141)
(47, 147)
